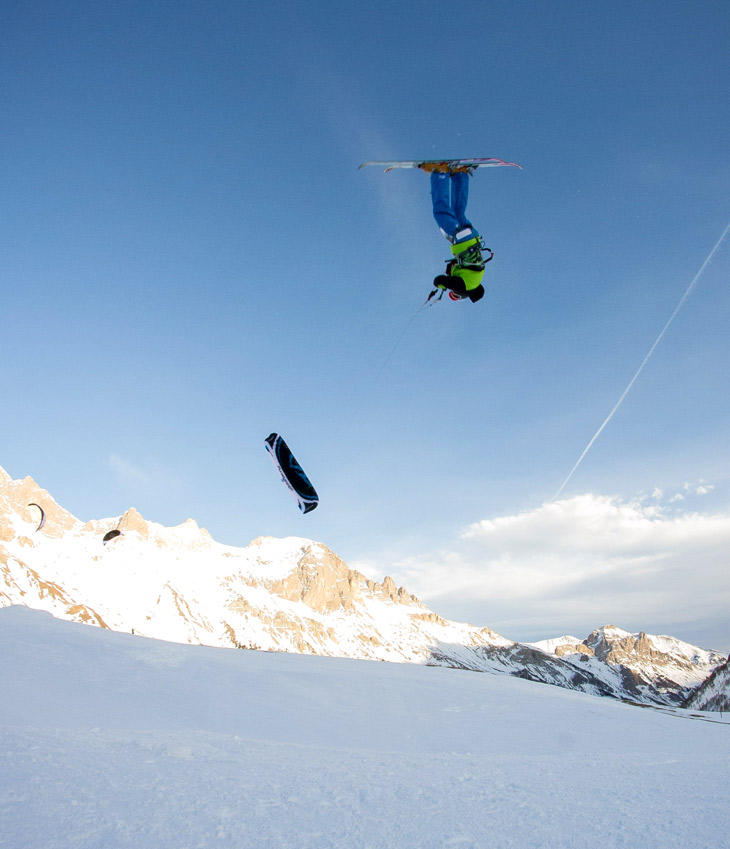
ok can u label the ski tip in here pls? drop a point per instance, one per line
(387, 166)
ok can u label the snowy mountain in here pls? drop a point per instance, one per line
(647, 663)
(714, 692)
(114, 740)
(291, 595)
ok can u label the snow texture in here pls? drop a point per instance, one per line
(112, 740)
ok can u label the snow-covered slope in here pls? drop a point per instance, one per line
(290, 595)
(714, 692)
(113, 740)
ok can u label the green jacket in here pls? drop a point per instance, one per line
(463, 277)
(472, 277)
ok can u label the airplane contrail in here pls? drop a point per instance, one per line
(645, 361)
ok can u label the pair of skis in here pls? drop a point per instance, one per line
(444, 164)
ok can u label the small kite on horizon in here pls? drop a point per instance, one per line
(43, 514)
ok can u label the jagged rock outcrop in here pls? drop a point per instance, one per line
(133, 521)
(15, 498)
(574, 648)
(611, 645)
(20, 584)
(324, 582)
(321, 581)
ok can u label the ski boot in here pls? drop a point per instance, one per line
(430, 167)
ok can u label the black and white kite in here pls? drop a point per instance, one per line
(292, 473)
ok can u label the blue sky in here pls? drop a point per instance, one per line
(190, 259)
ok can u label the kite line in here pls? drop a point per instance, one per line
(646, 360)
(369, 387)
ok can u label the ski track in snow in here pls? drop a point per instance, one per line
(109, 740)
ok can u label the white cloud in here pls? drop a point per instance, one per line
(139, 479)
(580, 563)
(129, 475)
(690, 489)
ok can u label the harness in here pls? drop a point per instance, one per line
(472, 258)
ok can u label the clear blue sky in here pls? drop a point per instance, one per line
(190, 259)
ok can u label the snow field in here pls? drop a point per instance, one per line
(110, 740)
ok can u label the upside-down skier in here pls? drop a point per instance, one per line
(449, 196)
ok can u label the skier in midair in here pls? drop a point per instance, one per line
(449, 195)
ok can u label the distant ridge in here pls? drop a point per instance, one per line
(293, 595)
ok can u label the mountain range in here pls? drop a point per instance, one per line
(296, 595)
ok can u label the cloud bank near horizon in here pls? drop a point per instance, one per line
(590, 560)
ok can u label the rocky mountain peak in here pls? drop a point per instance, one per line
(131, 520)
(16, 496)
(321, 580)
(615, 646)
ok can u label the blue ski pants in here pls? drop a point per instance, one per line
(449, 195)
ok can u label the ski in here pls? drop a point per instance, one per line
(448, 164)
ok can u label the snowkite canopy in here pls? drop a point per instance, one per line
(42, 512)
(111, 535)
(292, 473)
